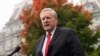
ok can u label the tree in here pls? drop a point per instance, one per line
(75, 17)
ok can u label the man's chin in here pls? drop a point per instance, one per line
(47, 29)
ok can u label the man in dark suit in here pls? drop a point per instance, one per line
(56, 41)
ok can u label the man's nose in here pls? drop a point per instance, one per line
(45, 20)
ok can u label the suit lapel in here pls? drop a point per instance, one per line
(56, 33)
(40, 45)
(42, 41)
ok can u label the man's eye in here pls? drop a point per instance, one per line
(48, 17)
(43, 18)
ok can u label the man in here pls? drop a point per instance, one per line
(56, 41)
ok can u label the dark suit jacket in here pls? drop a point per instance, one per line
(63, 43)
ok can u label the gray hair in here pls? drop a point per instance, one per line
(52, 11)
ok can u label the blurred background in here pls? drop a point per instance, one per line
(20, 24)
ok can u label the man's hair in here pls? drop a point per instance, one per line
(52, 11)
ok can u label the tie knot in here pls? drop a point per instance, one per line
(49, 34)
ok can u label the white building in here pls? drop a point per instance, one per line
(9, 37)
(94, 7)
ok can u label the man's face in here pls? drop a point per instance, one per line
(49, 22)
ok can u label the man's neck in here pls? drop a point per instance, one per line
(51, 31)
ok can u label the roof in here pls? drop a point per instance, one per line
(94, 4)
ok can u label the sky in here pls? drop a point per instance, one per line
(7, 8)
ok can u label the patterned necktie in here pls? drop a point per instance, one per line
(47, 43)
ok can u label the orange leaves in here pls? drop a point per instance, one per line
(79, 8)
(23, 47)
(22, 33)
(61, 2)
(25, 12)
(87, 14)
(26, 20)
(76, 8)
(37, 6)
(24, 16)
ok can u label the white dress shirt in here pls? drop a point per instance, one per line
(44, 45)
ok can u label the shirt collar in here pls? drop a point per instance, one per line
(52, 31)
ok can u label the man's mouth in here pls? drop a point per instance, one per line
(46, 25)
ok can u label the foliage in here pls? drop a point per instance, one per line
(74, 17)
